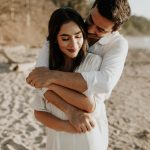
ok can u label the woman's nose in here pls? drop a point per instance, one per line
(72, 43)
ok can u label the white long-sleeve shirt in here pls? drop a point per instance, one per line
(113, 51)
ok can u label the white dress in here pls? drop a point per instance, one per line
(97, 138)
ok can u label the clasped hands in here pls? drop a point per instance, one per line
(42, 77)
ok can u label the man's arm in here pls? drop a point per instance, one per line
(102, 81)
(71, 80)
(53, 122)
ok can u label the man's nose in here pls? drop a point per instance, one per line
(92, 29)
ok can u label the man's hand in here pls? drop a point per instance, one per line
(41, 77)
(82, 121)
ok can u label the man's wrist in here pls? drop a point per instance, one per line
(56, 76)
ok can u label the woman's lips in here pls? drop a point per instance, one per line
(71, 50)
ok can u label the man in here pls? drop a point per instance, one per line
(104, 21)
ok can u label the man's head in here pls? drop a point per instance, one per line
(107, 16)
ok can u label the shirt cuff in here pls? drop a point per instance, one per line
(89, 78)
(42, 92)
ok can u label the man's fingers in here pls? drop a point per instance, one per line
(28, 80)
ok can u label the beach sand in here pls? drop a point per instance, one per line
(128, 108)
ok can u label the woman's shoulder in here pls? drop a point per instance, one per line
(91, 62)
(92, 58)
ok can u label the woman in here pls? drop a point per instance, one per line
(68, 52)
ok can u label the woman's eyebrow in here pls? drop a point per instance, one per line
(78, 32)
(64, 34)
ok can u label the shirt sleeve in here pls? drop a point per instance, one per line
(104, 80)
(91, 63)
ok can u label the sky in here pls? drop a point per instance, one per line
(140, 7)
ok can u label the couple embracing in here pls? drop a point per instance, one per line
(77, 68)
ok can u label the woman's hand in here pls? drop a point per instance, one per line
(67, 127)
(81, 121)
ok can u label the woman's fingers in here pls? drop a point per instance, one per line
(92, 124)
(87, 126)
(83, 128)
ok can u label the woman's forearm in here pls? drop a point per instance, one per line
(53, 122)
(74, 98)
(77, 120)
(56, 100)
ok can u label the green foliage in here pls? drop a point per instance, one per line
(137, 26)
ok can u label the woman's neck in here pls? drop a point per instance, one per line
(68, 64)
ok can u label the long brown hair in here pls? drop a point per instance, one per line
(58, 18)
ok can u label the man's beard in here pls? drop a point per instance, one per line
(92, 39)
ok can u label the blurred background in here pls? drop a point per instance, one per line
(23, 30)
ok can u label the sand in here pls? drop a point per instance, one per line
(127, 109)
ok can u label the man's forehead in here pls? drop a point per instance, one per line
(99, 20)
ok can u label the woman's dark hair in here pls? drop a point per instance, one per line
(117, 11)
(58, 18)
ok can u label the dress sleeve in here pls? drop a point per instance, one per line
(42, 61)
(104, 80)
(43, 56)
(38, 102)
(92, 63)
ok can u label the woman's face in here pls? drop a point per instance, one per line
(70, 39)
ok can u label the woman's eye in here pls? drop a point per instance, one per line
(65, 39)
(78, 36)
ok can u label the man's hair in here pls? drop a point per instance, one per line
(117, 11)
